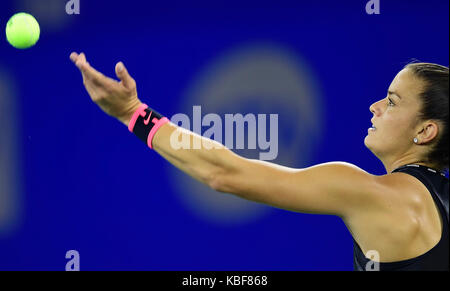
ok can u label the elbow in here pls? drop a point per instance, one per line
(216, 181)
(224, 177)
(220, 181)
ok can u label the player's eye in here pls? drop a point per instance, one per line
(390, 103)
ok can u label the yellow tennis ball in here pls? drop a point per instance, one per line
(22, 30)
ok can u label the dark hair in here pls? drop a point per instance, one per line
(435, 106)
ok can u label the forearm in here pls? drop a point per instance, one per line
(201, 158)
(204, 164)
(120, 100)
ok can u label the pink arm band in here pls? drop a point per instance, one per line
(145, 122)
(158, 124)
(139, 112)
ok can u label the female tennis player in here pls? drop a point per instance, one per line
(401, 216)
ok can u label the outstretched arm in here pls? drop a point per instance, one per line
(331, 188)
(119, 99)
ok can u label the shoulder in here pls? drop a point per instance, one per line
(395, 195)
(401, 216)
(369, 193)
(401, 186)
(365, 191)
(349, 176)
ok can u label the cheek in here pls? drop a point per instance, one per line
(398, 127)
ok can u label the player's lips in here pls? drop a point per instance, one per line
(373, 128)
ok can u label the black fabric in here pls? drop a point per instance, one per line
(436, 259)
(142, 130)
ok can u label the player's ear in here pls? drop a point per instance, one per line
(123, 75)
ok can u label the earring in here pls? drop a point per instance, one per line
(415, 140)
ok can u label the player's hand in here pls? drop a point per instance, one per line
(118, 99)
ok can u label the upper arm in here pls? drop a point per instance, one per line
(336, 188)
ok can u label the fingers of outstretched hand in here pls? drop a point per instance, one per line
(86, 68)
(98, 85)
(88, 72)
(73, 57)
(80, 61)
(125, 78)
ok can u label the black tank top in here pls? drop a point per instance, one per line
(438, 257)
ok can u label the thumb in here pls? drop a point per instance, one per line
(122, 73)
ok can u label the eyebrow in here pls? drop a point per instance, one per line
(393, 93)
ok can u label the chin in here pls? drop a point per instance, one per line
(369, 146)
(367, 142)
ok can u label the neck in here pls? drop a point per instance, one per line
(406, 161)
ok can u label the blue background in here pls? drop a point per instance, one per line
(83, 187)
